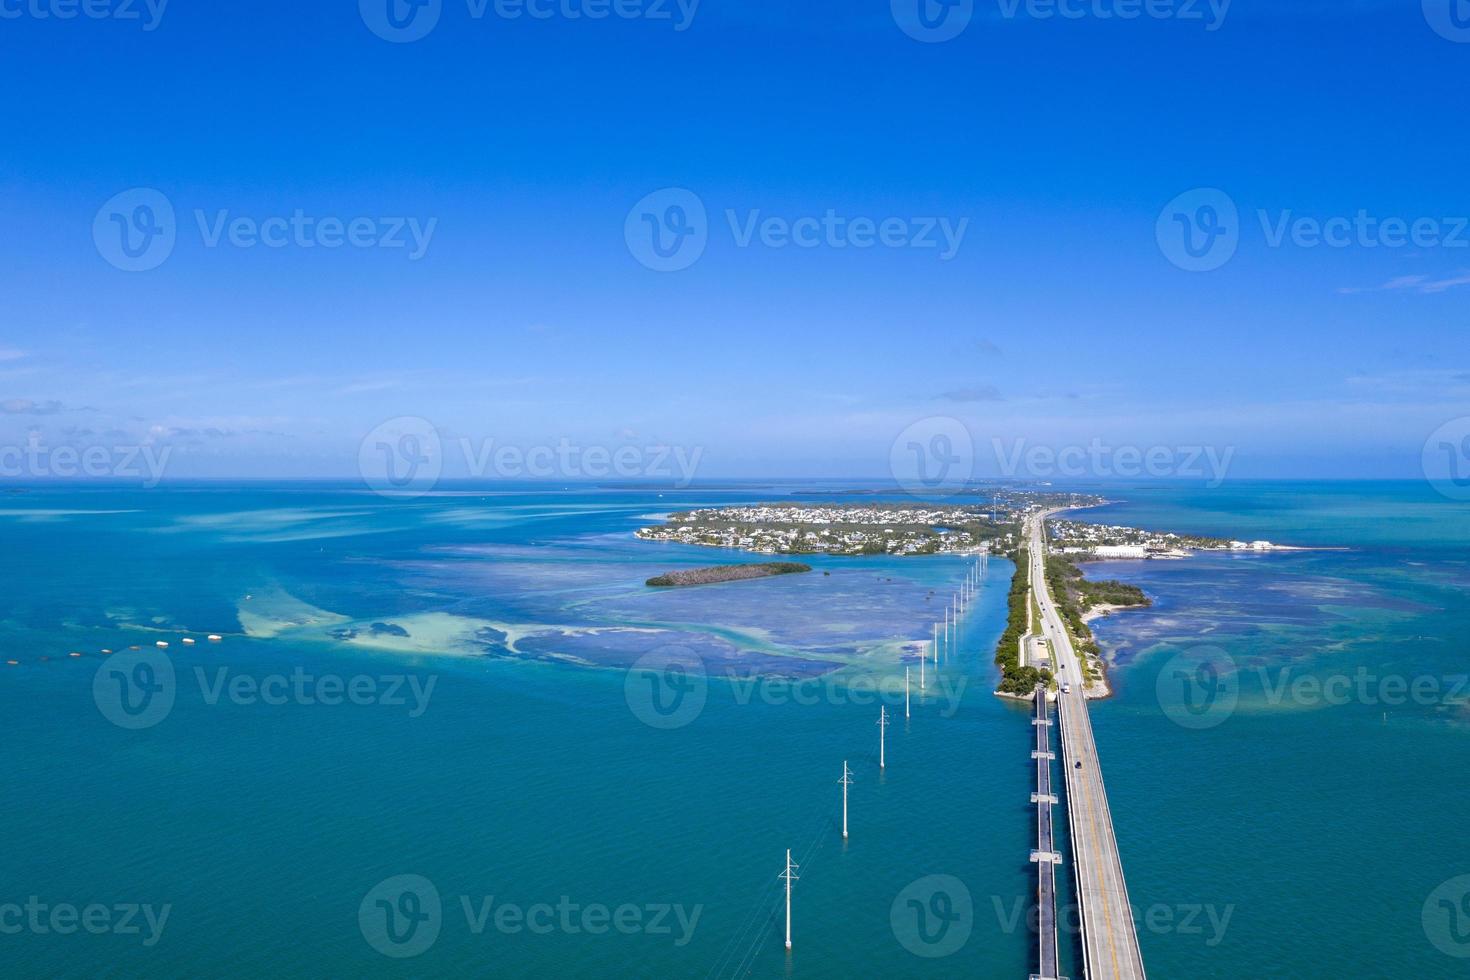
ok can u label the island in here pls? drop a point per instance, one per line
(843, 529)
(1005, 522)
(726, 573)
(1097, 541)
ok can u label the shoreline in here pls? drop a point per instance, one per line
(1105, 609)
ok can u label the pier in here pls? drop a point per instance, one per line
(1046, 856)
(1109, 937)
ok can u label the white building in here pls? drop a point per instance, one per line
(1120, 551)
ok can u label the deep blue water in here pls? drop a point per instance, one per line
(1293, 836)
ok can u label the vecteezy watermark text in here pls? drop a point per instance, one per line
(669, 230)
(936, 455)
(405, 21)
(402, 917)
(668, 688)
(1204, 919)
(1201, 230)
(1099, 459)
(934, 21)
(406, 456)
(38, 460)
(148, 13)
(39, 918)
(1201, 687)
(1362, 686)
(137, 689)
(1210, 13)
(137, 230)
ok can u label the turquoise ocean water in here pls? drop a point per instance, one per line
(1287, 834)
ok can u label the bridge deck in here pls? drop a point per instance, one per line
(1109, 937)
(1046, 873)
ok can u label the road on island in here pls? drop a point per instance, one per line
(1109, 937)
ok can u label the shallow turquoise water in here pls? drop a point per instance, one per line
(1314, 832)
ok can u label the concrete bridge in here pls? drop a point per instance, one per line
(1109, 937)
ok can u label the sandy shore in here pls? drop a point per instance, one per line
(1104, 609)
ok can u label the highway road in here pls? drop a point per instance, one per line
(1109, 937)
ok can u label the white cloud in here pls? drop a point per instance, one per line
(1418, 284)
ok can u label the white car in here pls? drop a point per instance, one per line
(1066, 688)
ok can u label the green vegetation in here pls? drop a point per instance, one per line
(1014, 678)
(1111, 593)
(1075, 595)
(727, 573)
(836, 529)
(1060, 575)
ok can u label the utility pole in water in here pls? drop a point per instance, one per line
(846, 781)
(882, 735)
(789, 875)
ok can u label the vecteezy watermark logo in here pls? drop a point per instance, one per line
(135, 689)
(1101, 460)
(1207, 920)
(934, 455)
(1199, 230)
(1362, 687)
(932, 21)
(1449, 18)
(1362, 230)
(138, 689)
(401, 457)
(1211, 13)
(859, 691)
(1446, 917)
(400, 21)
(1199, 687)
(667, 230)
(148, 12)
(406, 457)
(667, 688)
(329, 690)
(933, 917)
(401, 916)
(136, 230)
(1446, 459)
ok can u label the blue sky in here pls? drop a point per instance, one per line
(523, 144)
